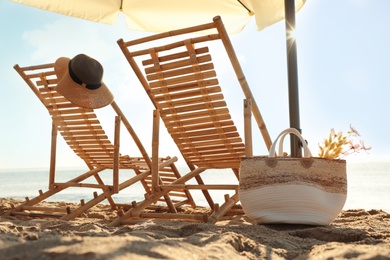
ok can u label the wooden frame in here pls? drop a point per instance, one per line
(83, 133)
(180, 80)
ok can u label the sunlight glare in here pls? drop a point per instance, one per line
(291, 34)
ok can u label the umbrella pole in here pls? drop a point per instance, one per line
(292, 70)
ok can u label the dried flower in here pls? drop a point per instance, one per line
(353, 131)
(338, 145)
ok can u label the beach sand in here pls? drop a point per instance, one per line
(355, 234)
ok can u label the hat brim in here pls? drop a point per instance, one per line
(78, 94)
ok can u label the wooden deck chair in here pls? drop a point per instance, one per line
(180, 79)
(83, 133)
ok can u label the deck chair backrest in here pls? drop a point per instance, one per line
(186, 91)
(181, 81)
(78, 126)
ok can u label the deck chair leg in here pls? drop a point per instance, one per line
(115, 181)
(205, 192)
(229, 203)
(106, 189)
(53, 152)
(186, 191)
(248, 127)
(155, 140)
(156, 181)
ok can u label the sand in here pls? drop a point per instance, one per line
(355, 234)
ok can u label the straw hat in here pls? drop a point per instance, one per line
(80, 81)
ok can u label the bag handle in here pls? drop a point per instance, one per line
(282, 135)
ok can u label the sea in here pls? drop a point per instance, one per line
(368, 185)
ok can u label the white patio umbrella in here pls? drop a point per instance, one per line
(165, 15)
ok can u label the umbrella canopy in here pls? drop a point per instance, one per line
(164, 15)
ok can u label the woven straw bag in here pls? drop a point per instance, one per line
(307, 190)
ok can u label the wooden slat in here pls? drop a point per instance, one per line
(46, 90)
(64, 107)
(203, 122)
(226, 155)
(179, 72)
(71, 123)
(207, 139)
(74, 117)
(206, 83)
(175, 56)
(70, 138)
(52, 103)
(188, 93)
(190, 108)
(53, 82)
(189, 101)
(171, 46)
(105, 161)
(178, 64)
(91, 148)
(230, 162)
(91, 144)
(204, 138)
(30, 70)
(81, 133)
(76, 111)
(199, 126)
(53, 97)
(77, 124)
(228, 150)
(163, 35)
(80, 127)
(220, 131)
(184, 145)
(237, 146)
(50, 89)
(95, 153)
(102, 151)
(216, 154)
(185, 117)
(187, 78)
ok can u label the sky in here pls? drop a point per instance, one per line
(343, 70)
